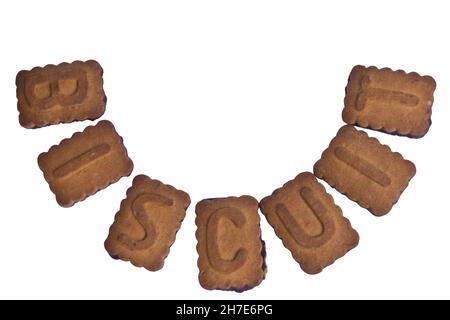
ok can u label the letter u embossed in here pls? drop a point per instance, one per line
(297, 231)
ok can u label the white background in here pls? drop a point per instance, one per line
(222, 98)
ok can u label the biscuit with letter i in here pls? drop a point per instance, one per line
(85, 163)
(230, 249)
(60, 94)
(389, 101)
(146, 225)
(305, 217)
(364, 170)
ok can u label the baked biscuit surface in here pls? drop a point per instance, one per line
(85, 163)
(309, 223)
(229, 247)
(364, 170)
(60, 94)
(389, 101)
(145, 227)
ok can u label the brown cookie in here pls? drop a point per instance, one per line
(364, 170)
(62, 93)
(85, 163)
(309, 223)
(389, 101)
(230, 249)
(145, 227)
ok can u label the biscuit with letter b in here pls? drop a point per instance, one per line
(230, 249)
(309, 223)
(60, 94)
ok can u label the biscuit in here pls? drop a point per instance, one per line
(365, 170)
(305, 217)
(230, 249)
(62, 93)
(389, 101)
(145, 227)
(85, 163)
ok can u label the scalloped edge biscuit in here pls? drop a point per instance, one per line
(166, 223)
(230, 240)
(316, 233)
(389, 116)
(364, 170)
(92, 107)
(87, 162)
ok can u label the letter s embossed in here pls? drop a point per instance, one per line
(142, 208)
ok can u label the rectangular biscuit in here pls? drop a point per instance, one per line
(305, 217)
(389, 101)
(85, 163)
(364, 170)
(230, 249)
(62, 93)
(145, 227)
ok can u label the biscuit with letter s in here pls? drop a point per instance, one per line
(145, 227)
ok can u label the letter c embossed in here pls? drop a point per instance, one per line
(212, 247)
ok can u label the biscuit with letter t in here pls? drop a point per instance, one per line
(389, 101)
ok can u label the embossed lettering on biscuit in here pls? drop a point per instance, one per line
(143, 206)
(364, 170)
(146, 225)
(229, 245)
(394, 98)
(85, 159)
(57, 89)
(213, 252)
(85, 163)
(300, 234)
(308, 222)
(60, 94)
(389, 101)
(363, 166)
